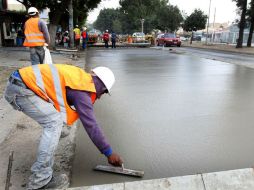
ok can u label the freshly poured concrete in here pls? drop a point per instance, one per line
(170, 115)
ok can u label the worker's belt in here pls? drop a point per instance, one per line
(16, 79)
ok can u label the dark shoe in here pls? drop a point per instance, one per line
(58, 182)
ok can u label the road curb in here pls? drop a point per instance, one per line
(227, 180)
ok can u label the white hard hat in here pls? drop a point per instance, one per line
(32, 11)
(106, 76)
(106, 30)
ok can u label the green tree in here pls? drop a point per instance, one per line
(242, 5)
(196, 21)
(108, 19)
(157, 14)
(117, 26)
(169, 17)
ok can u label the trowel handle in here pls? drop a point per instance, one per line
(122, 166)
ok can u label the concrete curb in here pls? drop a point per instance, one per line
(226, 180)
(220, 49)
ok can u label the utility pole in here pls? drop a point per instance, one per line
(142, 25)
(208, 21)
(70, 9)
(213, 24)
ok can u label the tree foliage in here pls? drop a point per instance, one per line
(169, 18)
(157, 14)
(196, 21)
(108, 19)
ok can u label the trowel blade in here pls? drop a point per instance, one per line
(119, 170)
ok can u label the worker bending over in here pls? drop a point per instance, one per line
(54, 94)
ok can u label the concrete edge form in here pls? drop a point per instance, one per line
(227, 180)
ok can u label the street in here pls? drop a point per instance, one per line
(171, 113)
(228, 57)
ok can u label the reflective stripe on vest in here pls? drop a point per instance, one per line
(50, 82)
(34, 37)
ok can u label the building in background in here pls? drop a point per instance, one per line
(12, 18)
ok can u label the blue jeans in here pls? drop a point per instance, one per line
(23, 99)
(37, 55)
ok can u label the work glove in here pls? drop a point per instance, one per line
(115, 160)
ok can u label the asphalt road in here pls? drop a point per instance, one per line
(171, 113)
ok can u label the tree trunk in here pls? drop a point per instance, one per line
(52, 33)
(242, 25)
(250, 34)
(251, 23)
(191, 37)
(70, 9)
(54, 18)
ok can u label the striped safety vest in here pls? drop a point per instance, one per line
(34, 37)
(77, 33)
(49, 81)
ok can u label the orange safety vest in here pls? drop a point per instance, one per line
(49, 81)
(34, 37)
(77, 33)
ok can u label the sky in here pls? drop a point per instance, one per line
(225, 9)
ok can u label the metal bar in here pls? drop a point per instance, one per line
(8, 178)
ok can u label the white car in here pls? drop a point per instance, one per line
(138, 37)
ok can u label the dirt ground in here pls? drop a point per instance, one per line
(20, 133)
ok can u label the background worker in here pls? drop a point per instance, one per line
(36, 35)
(46, 93)
(113, 39)
(106, 38)
(77, 35)
(84, 38)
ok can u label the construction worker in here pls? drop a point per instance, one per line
(36, 33)
(77, 35)
(106, 38)
(46, 93)
(84, 38)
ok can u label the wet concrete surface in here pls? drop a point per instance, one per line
(170, 115)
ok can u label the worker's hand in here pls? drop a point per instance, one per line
(115, 160)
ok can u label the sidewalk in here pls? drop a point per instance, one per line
(219, 47)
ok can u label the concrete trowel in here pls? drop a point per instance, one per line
(119, 170)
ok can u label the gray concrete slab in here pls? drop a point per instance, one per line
(192, 182)
(242, 179)
(170, 115)
(114, 186)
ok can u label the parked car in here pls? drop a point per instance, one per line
(168, 39)
(138, 37)
(196, 38)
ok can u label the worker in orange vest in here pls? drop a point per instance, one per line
(77, 35)
(37, 35)
(54, 94)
